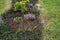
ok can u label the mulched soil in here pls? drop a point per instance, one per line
(34, 27)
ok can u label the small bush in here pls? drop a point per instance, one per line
(21, 6)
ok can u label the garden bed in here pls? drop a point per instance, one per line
(27, 29)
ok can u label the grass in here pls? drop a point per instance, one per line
(4, 5)
(52, 29)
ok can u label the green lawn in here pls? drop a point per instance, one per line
(4, 5)
(52, 29)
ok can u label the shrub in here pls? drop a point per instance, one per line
(21, 6)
